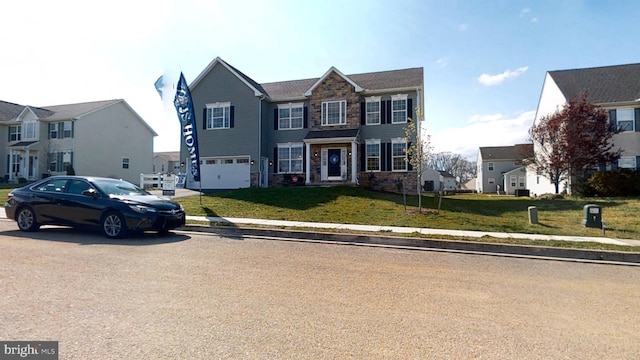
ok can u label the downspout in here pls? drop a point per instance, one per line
(259, 160)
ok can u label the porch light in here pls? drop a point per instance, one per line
(253, 162)
(315, 154)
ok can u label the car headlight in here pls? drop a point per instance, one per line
(142, 209)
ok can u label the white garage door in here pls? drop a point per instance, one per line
(225, 173)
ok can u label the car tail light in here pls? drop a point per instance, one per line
(9, 196)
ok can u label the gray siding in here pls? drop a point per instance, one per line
(220, 85)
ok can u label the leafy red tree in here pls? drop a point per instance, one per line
(573, 141)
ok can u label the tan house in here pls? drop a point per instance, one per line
(101, 138)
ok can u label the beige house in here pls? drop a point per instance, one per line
(101, 138)
(166, 162)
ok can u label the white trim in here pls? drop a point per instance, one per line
(289, 146)
(406, 146)
(366, 154)
(357, 87)
(400, 97)
(290, 107)
(372, 99)
(211, 65)
(226, 112)
(325, 113)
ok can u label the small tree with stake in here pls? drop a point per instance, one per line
(573, 140)
(418, 151)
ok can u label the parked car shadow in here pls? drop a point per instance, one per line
(89, 237)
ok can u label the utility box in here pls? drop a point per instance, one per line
(592, 216)
(533, 215)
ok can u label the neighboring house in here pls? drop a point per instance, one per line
(101, 138)
(166, 162)
(335, 129)
(469, 185)
(437, 180)
(616, 89)
(497, 161)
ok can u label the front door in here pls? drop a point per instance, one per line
(333, 167)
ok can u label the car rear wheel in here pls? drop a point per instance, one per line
(26, 219)
(113, 225)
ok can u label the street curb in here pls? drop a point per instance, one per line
(543, 252)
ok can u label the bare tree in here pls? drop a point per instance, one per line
(417, 152)
(456, 165)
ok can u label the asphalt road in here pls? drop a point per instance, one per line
(198, 296)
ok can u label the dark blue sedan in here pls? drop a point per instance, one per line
(111, 205)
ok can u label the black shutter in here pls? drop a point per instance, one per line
(305, 117)
(363, 113)
(637, 116)
(383, 112)
(612, 119)
(61, 131)
(389, 157)
(275, 160)
(637, 162)
(410, 108)
(60, 165)
(383, 157)
(389, 108)
(304, 158)
(48, 130)
(8, 161)
(275, 119)
(231, 116)
(204, 119)
(73, 125)
(363, 157)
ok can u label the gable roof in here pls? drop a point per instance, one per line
(10, 111)
(257, 88)
(371, 82)
(72, 111)
(168, 155)
(357, 87)
(606, 84)
(514, 152)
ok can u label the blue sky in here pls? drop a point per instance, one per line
(484, 61)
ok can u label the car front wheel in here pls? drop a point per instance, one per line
(113, 225)
(26, 219)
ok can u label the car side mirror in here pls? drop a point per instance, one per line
(91, 193)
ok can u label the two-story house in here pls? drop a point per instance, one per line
(335, 129)
(616, 89)
(101, 138)
(501, 168)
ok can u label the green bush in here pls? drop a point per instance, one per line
(621, 182)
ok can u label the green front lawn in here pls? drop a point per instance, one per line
(462, 212)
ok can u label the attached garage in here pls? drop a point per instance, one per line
(225, 173)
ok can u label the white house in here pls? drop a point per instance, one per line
(101, 138)
(616, 89)
(437, 180)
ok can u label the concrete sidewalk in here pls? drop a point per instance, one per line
(410, 230)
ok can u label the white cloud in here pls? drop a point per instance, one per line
(524, 12)
(442, 62)
(481, 131)
(534, 20)
(463, 27)
(491, 80)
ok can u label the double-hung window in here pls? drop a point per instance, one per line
(373, 155)
(67, 129)
(399, 109)
(29, 129)
(290, 158)
(625, 119)
(290, 116)
(218, 116)
(399, 155)
(125, 162)
(15, 133)
(373, 110)
(334, 112)
(627, 162)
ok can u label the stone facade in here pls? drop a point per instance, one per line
(390, 181)
(334, 88)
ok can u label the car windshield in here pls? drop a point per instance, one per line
(118, 187)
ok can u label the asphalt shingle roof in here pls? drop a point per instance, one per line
(382, 80)
(9, 111)
(607, 84)
(514, 152)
